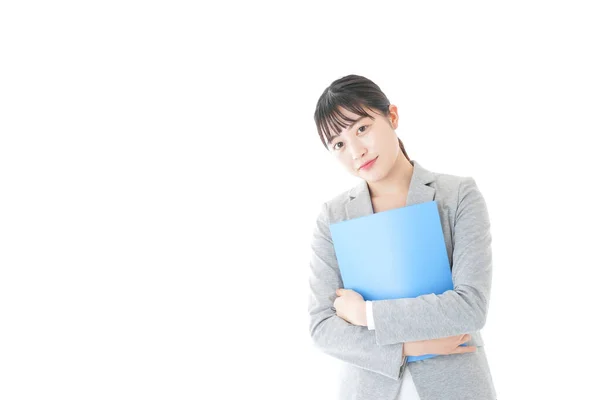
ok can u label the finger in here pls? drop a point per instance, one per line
(464, 349)
(465, 338)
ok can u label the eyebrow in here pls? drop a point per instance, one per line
(350, 127)
(356, 122)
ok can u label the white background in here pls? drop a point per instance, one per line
(160, 175)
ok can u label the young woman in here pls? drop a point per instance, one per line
(356, 123)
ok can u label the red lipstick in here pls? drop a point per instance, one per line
(368, 164)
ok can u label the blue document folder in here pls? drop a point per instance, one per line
(394, 254)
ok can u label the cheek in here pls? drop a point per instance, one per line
(350, 166)
(345, 161)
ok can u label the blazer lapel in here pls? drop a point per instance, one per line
(359, 200)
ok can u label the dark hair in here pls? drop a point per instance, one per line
(353, 93)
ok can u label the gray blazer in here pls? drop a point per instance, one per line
(372, 364)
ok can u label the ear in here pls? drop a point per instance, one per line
(393, 117)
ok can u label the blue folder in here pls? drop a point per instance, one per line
(394, 254)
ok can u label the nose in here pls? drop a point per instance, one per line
(357, 149)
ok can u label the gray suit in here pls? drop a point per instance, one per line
(372, 359)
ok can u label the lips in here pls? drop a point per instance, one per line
(368, 163)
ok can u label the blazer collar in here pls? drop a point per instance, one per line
(359, 197)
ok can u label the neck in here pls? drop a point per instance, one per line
(396, 182)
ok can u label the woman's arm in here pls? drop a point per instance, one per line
(458, 311)
(331, 334)
(441, 346)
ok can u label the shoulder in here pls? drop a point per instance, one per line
(456, 185)
(450, 185)
(461, 202)
(462, 196)
(332, 209)
(457, 192)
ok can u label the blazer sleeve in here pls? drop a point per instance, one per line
(332, 334)
(458, 311)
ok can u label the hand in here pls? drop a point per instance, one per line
(443, 346)
(351, 306)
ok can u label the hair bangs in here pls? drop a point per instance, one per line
(330, 120)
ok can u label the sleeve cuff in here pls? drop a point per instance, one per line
(370, 322)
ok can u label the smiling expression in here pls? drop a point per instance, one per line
(366, 139)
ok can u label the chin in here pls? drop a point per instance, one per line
(374, 176)
(371, 177)
(372, 180)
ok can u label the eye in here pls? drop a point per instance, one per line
(335, 145)
(364, 126)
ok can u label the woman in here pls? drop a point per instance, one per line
(356, 123)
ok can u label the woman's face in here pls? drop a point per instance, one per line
(368, 139)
